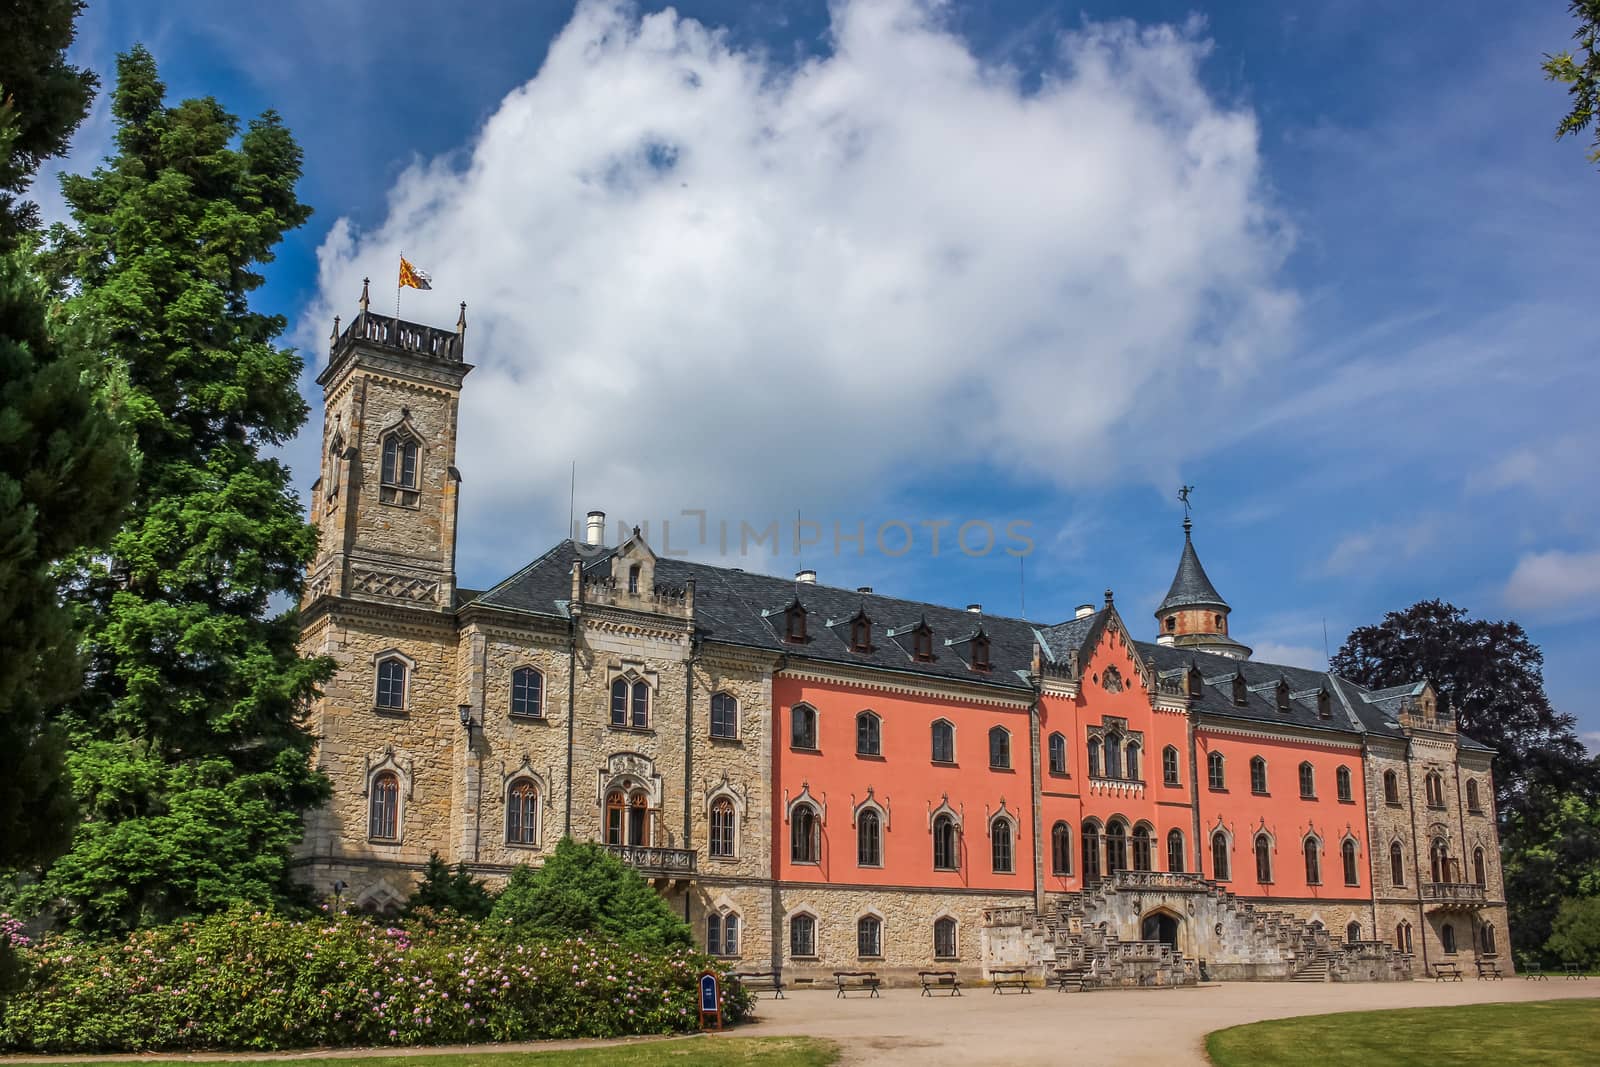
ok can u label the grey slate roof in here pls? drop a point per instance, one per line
(1190, 586)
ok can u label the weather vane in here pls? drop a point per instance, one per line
(1183, 495)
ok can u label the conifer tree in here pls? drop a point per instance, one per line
(188, 752)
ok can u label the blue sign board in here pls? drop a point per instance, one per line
(709, 1001)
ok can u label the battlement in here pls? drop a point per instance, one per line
(385, 331)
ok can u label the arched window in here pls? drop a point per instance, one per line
(724, 716)
(723, 828)
(616, 818)
(803, 727)
(638, 820)
(869, 937)
(1352, 932)
(1060, 849)
(619, 702)
(1219, 857)
(944, 939)
(391, 693)
(527, 692)
(1435, 790)
(869, 734)
(522, 813)
(1175, 861)
(1347, 853)
(1132, 758)
(641, 706)
(999, 748)
(1169, 765)
(1474, 802)
(1402, 937)
(944, 742)
(805, 837)
(1116, 846)
(1000, 845)
(1479, 875)
(714, 933)
(1091, 850)
(722, 933)
(869, 840)
(397, 483)
(861, 634)
(1439, 860)
(1308, 781)
(1391, 788)
(946, 851)
(1313, 861)
(335, 465)
(1058, 754)
(1258, 775)
(1263, 859)
(1094, 757)
(1142, 849)
(1397, 864)
(1447, 935)
(1214, 771)
(633, 579)
(1113, 755)
(802, 936)
(1488, 939)
(1341, 779)
(383, 813)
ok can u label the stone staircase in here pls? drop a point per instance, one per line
(1314, 971)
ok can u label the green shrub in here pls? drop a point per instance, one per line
(252, 980)
(581, 890)
(1575, 935)
(455, 892)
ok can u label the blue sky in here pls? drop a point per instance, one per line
(891, 262)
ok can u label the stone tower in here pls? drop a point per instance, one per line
(1194, 615)
(387, 499)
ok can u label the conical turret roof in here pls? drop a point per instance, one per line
(1190, 586)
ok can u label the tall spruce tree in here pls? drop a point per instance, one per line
(188, 753)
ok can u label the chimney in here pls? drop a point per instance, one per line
(863, 588)
(594, 528)
(975, 609)
(1084, 611)
(806, 577)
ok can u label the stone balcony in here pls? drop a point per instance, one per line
(1164, 881)
(1453, 895)
(663, 866)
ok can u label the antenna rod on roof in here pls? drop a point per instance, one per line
(1022, 586)
(572, 504)
(1325, 653)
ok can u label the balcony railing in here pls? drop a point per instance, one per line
(673, 862)
(1168, 880)
(1458, 893)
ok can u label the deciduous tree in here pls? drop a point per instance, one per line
(1581, 74)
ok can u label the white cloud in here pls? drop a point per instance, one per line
(1555, 583)
(1289, 655)
(718, 281)
(1381, 546)
(1591, 740)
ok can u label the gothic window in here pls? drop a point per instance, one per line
(1000, 845)
(861, 634)
(391, 693)
(1258, 775)
(1214, 771)
(335, 464)
(1175, 862)
(722, 828)
(944, 939)
(803, 727)
(1439, 858)
(805, 835)
(1169, 765)
(1402, 938)
(1474, 802)
(1113, 756)
(1391, 788)
(724, 716)
(1435, 789)
(802, 936)
(999, 748)
(1058, 754)
(522, 813)
(527, 693)
(794, 625)
(1479, 874)
(944, 742)
(1347, 853)
(1447, 935)
(1341, 779)
(1397, 864)
(619, 702)
(1308, 781)
(1091, 850)
(397, 483)
(616, 819)
(946, 855)
(638, 820)
(1313, 862)
(633, 579)
(722, 933)
(869, 734)
(980, 653)
(1352, 932)
(869, 937)
(1060, 849)
(641, 706)
(383, 813)
(1094, 757)
(922, 645)
(714, 934)
(630, 704)
(1116, 846)
(1131, 757)
(1263, 859)
(1142, 849)
(869, 840)
(1219, 856)
(1111, 680)
(1488, 939)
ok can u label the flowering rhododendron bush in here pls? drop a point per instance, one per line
(257, 980)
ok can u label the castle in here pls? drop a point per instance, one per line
(822, 778)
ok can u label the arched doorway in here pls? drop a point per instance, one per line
(1160, 926)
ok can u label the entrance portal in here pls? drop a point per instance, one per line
(1160, 926)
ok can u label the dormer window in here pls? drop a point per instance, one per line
(980, 653)
(1324, 705)
(1194, 682)
(794, 622)
(398, 477)
(922, 644)
(861, 634)
(1283, 696)
(1241, 691)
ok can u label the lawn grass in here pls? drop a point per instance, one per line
(1547, 1032)
(679, 1052)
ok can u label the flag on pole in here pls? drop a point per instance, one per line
(411, 276)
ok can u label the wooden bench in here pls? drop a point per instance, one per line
(947, 981)
(1446, 972)
(1071, 979)
(1534, 972)
(855, 982)
(772, 980)
(1489, 969)
(1574, 971)
(1009, 978)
